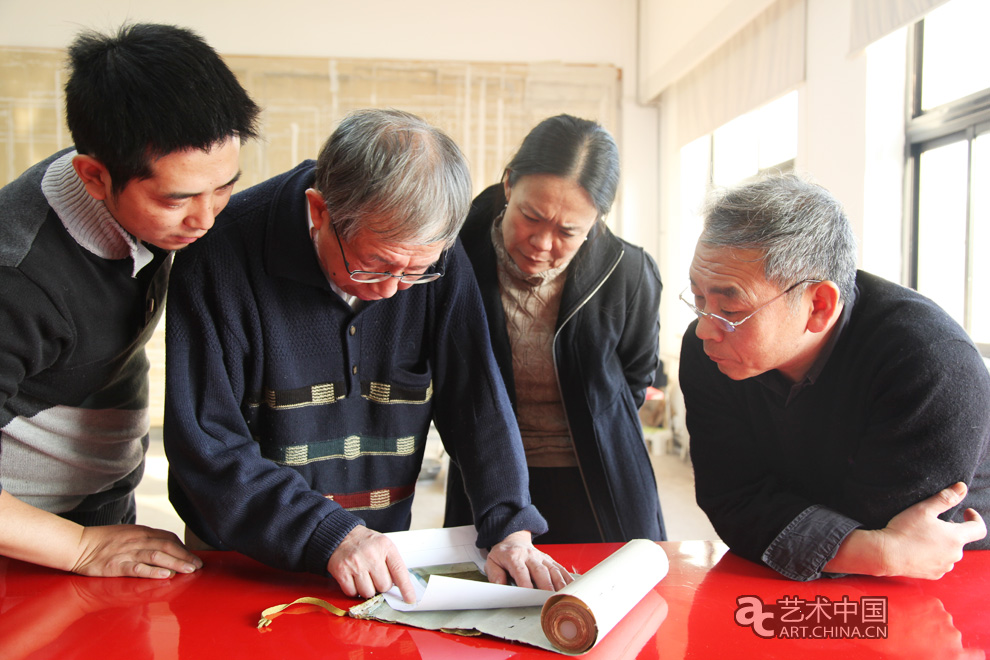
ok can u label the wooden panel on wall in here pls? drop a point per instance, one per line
(487, 108)
(32, 113)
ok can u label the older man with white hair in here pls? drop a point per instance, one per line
(312, 339)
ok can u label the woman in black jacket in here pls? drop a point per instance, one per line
(573, 312)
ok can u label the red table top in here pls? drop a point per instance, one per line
(692, 613)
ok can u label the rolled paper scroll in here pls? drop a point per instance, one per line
(579, 616)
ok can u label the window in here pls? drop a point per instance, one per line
(955, 49)
(760, 141)
(949, 138)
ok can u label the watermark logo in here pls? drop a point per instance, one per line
(822, 618)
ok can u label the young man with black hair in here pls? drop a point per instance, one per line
(86, 242)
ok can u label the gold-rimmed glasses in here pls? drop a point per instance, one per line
(730, 326)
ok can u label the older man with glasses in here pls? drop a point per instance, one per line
(839, 423)
(311, 343)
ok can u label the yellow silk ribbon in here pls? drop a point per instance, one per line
(269, 614)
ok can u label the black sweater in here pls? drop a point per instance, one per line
(900, 411)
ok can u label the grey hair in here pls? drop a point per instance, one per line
(799, 226)
(394, 174)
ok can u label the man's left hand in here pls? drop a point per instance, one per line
(515, 556)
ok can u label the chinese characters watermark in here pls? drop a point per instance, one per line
(821, 618)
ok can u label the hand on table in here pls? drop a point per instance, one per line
(367, 562)
(132, 551)
(515, 556)
(40, 537)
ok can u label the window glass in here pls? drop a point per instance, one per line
(980, 241)
(778, 130)
(695, 163)
(956, 50)
(736, 151)
(942, 227)
(760, 140)
(950, 160)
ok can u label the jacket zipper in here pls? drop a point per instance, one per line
(560, 391)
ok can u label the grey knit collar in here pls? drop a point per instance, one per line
(88, 220)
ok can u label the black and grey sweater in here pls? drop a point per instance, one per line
(76, 311)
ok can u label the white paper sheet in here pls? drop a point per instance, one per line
(449, 545)
(619, 592)
(453, 545)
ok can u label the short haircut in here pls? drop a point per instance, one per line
(799, 226)
(575, 149)
(392, 173)
(147, 91)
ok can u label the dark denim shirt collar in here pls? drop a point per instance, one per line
(777, 383)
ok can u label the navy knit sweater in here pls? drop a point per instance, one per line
(290, 418)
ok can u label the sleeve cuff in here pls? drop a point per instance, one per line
(810, 541)
(496, 527)
(325, 539)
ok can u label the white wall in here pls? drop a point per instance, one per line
(572, 31)
(514, 30)
(832, 121)
(853, 130)
(681, 34)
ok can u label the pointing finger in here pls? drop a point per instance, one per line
(400, 577)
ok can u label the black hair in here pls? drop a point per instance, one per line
(571, 148)
(147, 91)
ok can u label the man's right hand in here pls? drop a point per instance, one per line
(367, 562)
(915, 543)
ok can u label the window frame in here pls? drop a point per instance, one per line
(960, 120)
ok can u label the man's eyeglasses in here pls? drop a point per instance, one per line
(368, 277)
(730, 326)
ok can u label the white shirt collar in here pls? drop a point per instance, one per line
(353, 301)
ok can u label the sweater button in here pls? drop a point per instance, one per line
(353, 330)
(354, 370)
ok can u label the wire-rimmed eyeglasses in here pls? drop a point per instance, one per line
(368, 277)
(730, 326)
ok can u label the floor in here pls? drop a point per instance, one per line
(675, 479)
